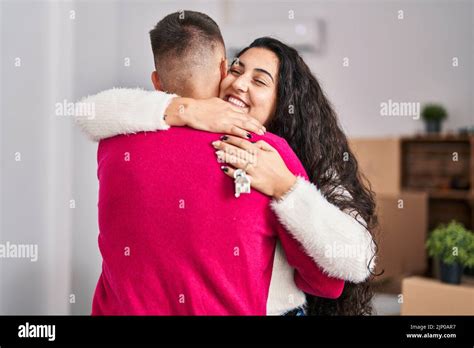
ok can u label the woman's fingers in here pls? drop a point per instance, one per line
(224, 158)
(251, 124)
(236, 157)
(218, 116)
(241, 126)
(263, 145)
(236, 109)
(242, 133)
(246, 152)
(246, 144)
(229, 171)
(239, 142)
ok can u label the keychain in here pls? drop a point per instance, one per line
(242, 182)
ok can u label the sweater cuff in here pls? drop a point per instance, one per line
(162, 103)
(287, 201)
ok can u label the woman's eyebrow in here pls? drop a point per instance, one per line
(239, 63)
(265, 72)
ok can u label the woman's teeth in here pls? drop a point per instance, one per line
(236, 102)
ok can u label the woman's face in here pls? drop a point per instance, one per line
(251, 83)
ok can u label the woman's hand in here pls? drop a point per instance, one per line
(267, 170)
(212, 115)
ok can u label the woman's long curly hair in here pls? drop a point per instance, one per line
(306, 119)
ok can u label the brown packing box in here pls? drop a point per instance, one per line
(424, 296)
(402, 235)
(402, 231)
(380, 161)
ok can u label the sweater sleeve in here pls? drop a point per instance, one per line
(334, 239)
(122, 111)
(308, 276)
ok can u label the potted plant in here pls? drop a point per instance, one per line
(453, 246)
(433, 115)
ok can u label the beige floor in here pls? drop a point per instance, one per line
(386, 304)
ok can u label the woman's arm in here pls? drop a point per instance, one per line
(124, 111)
(309, 276)
(337, 241)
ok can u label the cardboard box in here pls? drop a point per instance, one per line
(424, 296)
(403, 224)
(403, 216)
(380, 161)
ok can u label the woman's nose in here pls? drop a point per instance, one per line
(240, 84)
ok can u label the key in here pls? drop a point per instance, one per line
(241, 182)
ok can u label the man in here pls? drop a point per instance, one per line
(174, 239)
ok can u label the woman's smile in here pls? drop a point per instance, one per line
(236, 101)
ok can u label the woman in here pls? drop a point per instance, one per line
(287, 99)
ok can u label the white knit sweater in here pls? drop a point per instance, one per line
(335, 240)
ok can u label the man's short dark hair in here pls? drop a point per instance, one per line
(183, 39)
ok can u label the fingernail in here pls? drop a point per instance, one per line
(224, 137)
(249, 135)
(225, 169)
(261, 132)
(215, 143)
(219, 153)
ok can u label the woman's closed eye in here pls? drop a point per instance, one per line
(260, 82)
(234, 71)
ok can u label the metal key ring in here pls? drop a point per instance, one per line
(239, 172)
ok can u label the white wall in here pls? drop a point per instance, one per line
(407, 60)
(402, 60)
(36, 161)
(97, 38)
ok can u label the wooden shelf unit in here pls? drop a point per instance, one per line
(442, 166)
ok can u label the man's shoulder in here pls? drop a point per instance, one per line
(286, 152)
(274, 140)
(185, 133)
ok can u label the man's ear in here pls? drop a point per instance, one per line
(224, 68)
(156, 81)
